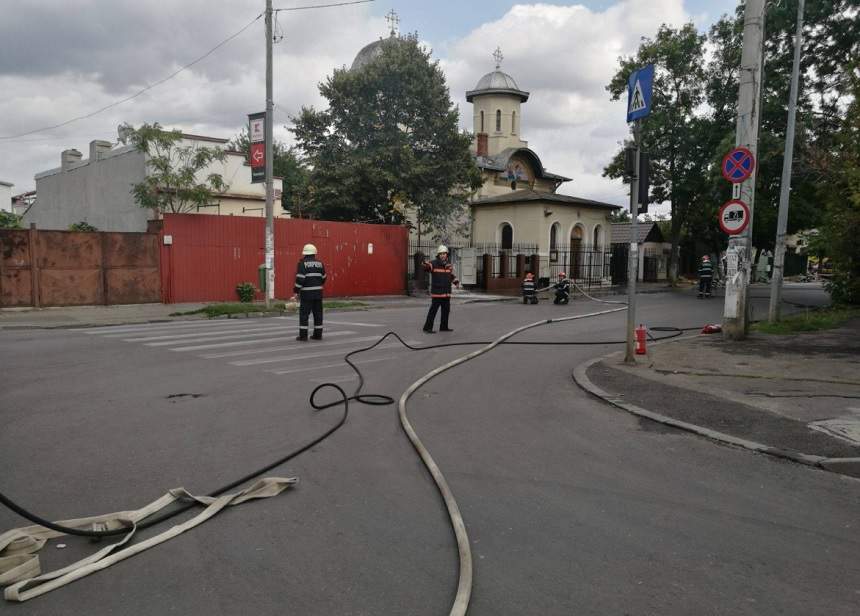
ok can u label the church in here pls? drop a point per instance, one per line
(517, 207)
(518, 202)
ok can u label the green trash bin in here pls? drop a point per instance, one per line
(262, 276)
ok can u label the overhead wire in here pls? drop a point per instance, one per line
(139, 92)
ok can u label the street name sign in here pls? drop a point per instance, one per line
(734, 217)
(639, 89)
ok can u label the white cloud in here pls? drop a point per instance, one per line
(563, 55)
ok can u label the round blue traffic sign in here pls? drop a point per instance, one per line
(738, 165)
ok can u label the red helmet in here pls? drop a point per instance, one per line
(562, 275)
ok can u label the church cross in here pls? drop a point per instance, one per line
(393, 21)
(498, 57)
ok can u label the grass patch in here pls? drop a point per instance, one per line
(232, 309)
(809, 321)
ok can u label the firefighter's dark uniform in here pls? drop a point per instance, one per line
(529, 291)
(562, 291)
(310, 278)
(441, 278)
(706, 275)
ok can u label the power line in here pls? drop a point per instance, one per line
(142, 90)
(322, 6)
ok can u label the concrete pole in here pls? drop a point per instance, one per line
(633, 257)
(785, 187)
(739, 253)
(270, 213)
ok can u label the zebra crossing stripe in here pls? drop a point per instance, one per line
(326, 366)
(284, 348)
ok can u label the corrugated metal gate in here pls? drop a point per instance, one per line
(207, 256)
(68, 268)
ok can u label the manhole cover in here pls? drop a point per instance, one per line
(847, 428)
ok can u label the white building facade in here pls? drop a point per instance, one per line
(97, 190)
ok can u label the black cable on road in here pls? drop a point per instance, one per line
(357, 396)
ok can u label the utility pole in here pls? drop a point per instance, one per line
(785, 186)
(739, 253)
(633, 258)
(270, 214)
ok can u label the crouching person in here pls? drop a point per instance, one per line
(529, 289)
(562, 289)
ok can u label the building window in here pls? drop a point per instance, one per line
(597, 237)
(482, 120)
(507, 236)
(498, 120)
(514, 123)
(553, 242)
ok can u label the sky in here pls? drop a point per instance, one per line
(89, 54)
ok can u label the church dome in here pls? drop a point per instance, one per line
(497, 82)
(368, 54)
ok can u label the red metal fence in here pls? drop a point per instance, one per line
(204, 257)
(66, 268)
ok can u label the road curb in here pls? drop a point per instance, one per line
(833, 465)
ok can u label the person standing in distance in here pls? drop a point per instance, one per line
(441, 277)
(706, 275)
(310, 278)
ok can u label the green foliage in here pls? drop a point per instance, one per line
(692, 124)
(246, 292)
(621, 215)
(172, 182)
(809, 321)
(286, 164)
(387, 142)
(82, 226)
(837, 159)
(8, 220)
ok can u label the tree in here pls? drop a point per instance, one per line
(8, 220)
(675, 133)
(388, 142)
(172, 183)
(82, 226)
(621, 215)
(286, 164)
(839, 166)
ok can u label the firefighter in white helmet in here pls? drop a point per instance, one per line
(310, 278)
(441, 278)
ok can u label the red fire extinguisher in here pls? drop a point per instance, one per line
(641, 333)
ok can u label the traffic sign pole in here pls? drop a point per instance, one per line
(633, 255)
(782, 218)
(270, 211)
(738, 255)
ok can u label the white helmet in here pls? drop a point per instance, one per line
(309, 249)
(442, 248)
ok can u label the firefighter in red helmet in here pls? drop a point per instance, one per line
(529, 289)
(562, 289)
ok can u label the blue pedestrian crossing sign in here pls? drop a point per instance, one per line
(639, 87)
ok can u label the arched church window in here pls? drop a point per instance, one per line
(553, 237)
(597, 237)
(507, 236)
(514, 123)
(498, 120)
(482, 120)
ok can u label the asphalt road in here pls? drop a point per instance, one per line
(572, 507)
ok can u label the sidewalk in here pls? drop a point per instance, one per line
(794, 396)
(93, 316)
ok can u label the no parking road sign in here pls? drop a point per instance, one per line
(734, 217)
(738, 165)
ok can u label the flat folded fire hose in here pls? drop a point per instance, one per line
(19, 561)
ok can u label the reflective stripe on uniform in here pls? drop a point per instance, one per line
(311, 288)
(300, 275)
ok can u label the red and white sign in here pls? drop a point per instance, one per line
(734, 217)
(257, 130)
(258, 155)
